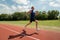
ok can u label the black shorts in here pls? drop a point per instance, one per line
(32, 19)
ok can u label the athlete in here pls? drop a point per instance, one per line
(32, 18)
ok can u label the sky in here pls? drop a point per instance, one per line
(10, 6)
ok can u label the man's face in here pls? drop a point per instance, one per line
(32, 8)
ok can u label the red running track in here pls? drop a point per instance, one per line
(7, 30)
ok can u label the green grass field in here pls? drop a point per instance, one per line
(46, 24)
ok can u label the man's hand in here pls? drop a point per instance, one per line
(36, 13)
(27, 13)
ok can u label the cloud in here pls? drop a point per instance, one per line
(22, 8)
(21, 1)
(25, 5)
(19, 8)
(13, 7)
(4, 6)
(54, 4)
(44, 8)
(10, 9)
(5, 9)
(42, 0)
(45, 0)
(3, 0)
(58, 1)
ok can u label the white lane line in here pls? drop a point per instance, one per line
(18, 33)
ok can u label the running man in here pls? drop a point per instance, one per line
(32, 18)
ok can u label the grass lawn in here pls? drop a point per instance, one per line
(46, 24)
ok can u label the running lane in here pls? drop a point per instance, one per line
(6, 30)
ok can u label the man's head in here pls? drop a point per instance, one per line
(32, 7)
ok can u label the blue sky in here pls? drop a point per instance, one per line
(10, 6)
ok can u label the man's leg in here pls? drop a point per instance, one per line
(36, 21)
(27, 25)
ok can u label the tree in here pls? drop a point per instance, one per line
(38, 16)
(44, 16)
(53, 14)
(19, 16)
(10, 18)
(3, 16)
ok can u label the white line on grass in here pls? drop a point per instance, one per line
(18, 33)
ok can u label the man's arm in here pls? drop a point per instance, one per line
(27, 13)
(36, 13)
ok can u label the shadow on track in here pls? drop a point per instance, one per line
(21, 35)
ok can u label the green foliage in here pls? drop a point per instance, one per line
(51, 15)
(10, 18)
(19, 16)
(3, 16)
(44, 15)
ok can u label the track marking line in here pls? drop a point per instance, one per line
(18, 33)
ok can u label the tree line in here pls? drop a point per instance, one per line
(43, 15)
